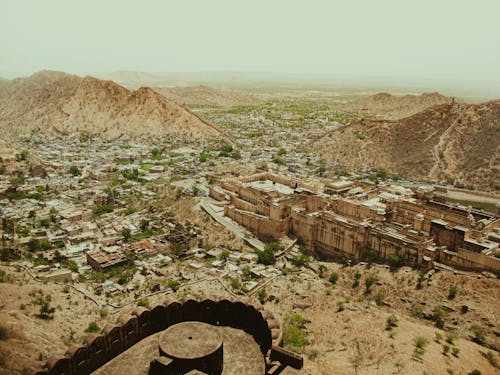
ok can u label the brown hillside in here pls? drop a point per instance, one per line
(394, 107)
(58, 102)
(3, 82)
(206, 96)
(459, 143)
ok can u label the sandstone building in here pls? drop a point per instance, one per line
(359, 220)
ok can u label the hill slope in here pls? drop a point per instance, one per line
(394, 107)
(55, 102)
(459, 143)
(206, 96)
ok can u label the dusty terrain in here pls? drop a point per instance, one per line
(343, 323)
(458, 143)
(201, 96)
(54, 102)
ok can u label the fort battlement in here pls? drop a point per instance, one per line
(115, 339)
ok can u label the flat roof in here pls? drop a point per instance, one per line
(269, 185)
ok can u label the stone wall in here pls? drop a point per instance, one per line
(116, 338)
(265, 228)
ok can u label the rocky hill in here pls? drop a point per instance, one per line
(394, 106)
(55, 102)
(202, 96)
(3, 82)
(459, 143)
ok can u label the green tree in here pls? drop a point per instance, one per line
(34, 245)
(267, 256)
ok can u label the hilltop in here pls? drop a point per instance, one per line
(459, 143)
(396, 106)
(3, 82)
(202, 96)
(56, 102)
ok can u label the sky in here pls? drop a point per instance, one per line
(443, 39)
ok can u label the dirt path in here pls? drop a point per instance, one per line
(439, 164)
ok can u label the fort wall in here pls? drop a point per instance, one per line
(115, 339)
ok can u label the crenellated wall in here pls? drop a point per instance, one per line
(116, 338)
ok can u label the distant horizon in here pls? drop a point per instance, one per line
(474, 89)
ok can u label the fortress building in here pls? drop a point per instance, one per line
(358, 220)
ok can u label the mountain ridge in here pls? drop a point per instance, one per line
(454, 142)
(48, 101)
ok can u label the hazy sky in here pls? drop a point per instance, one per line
(451, 39)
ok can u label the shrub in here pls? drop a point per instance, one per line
(451, 337)
(262, 295)
(357, 277)
(420, 344)
(101, 209)
(392, 321)
(281, 151)
(143, 302)
(421, 278)
(490, 356)
(379, 297)
(396, 261)
(157, 154)
(334, 277)
(74, 170)
(369, 282)
(452, 292)
(277, 160)
(93, 327)
(236, 284)
(46, 311)
(479, 334)
(321, 270)
(438, 316)
(174, 285)
(103, 312)
(294, 335)
(4, 333)
(455, 351)
(300, 260)
(4, 277)
(475, 372)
